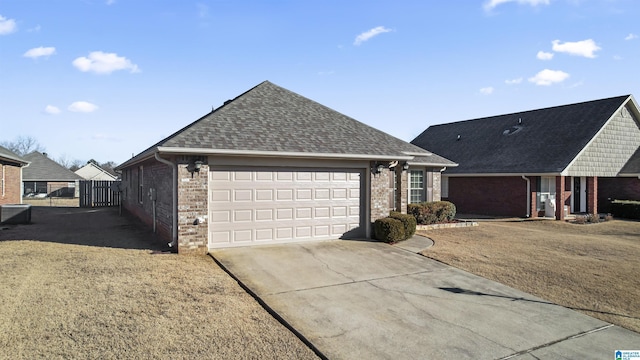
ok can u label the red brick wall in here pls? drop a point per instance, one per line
(12, 184)
(496, 196)
(617, 188)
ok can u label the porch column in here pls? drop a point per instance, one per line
(533, 209)
(560, 198)
(592, 195)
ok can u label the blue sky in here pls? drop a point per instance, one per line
(105, 79)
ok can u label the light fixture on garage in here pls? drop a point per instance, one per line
(377, 169)
(197, 165)
(405, 166)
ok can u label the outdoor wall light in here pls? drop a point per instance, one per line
(197, 165)
(405, 166)
(378, 168)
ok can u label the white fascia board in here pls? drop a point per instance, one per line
(199, 151)
(418, 163)
(415, 153)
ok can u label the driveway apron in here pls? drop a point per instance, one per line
(370, 300)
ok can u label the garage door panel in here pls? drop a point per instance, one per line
(270, 206)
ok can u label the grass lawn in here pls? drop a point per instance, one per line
(591, 268)
(84, 283)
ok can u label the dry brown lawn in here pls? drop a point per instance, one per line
(590, 268)
(82, 283)
(57, 202)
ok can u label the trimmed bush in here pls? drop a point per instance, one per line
(435, 212)
(408, 222)
(625, 209)
(388, 230)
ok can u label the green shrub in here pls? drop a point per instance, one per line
(432, 212)
(388, 230)
(408, 222)
(625, 209)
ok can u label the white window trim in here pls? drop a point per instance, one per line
(411, 188)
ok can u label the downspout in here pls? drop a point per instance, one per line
(22, 184)
(528, 195)
(174, 199)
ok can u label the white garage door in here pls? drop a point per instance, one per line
(267, 206)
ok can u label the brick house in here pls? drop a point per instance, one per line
(545, 162)
(45, 177)
(269, 166)
(11, 176)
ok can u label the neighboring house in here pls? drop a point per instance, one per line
(546, 162)
(11, 176)
(93, 171)
(269, 166)
(45, 177)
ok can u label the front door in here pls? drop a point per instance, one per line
(579, 203)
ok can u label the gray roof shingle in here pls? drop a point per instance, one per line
(536, 141)
(44, 169)
(10, 156)
(269, 118)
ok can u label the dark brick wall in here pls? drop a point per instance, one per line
(496, 196)
(193, 196)
(617, 188)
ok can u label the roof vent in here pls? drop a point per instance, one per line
(519, 121)
(226, 102)
(458, 137)
(512, 130)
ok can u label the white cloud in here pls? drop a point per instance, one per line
(7, 26)
(39, 52)
(35, 29)
(82, 106)
(513, 81)
(491, 4)
(631, 37)
(547, 77)
(585, 48)
(544, 55)
(486, 90)
(53, 110)
(104, 63)
(369, 34)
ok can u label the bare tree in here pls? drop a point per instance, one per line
(23, 145)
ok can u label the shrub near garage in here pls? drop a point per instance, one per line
(408, 222)
(428, 213)
(389, 230)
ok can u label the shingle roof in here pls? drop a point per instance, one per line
(632, 167)
(44, 169)
(10, 156)
(536, 141)
(269, 118)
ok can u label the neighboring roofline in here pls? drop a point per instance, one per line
(52, 180)
(595, 136)
(14, 159)
(256, 153)
(501, 174)
(99, 168)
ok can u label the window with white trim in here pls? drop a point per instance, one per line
(416, 186)
(546, 191)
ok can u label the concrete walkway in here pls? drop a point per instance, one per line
(369, 300)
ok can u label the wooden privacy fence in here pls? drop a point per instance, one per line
(99, 193)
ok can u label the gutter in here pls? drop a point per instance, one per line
(22, 184)
(528, 194)
(174, 199)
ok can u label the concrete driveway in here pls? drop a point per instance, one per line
(369, 300)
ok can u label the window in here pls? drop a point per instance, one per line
(140, 187)
(546, 191)
(416, 186)
(445, 187)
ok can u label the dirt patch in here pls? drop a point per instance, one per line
(591, 268)
(83, 283)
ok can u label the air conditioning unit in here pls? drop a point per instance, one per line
(15, 214)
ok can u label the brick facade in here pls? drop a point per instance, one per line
(136, 200)
(193, 209)
(617, 189)
(10, 192)
(494, 196)
(380, 192)
(592, 194)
